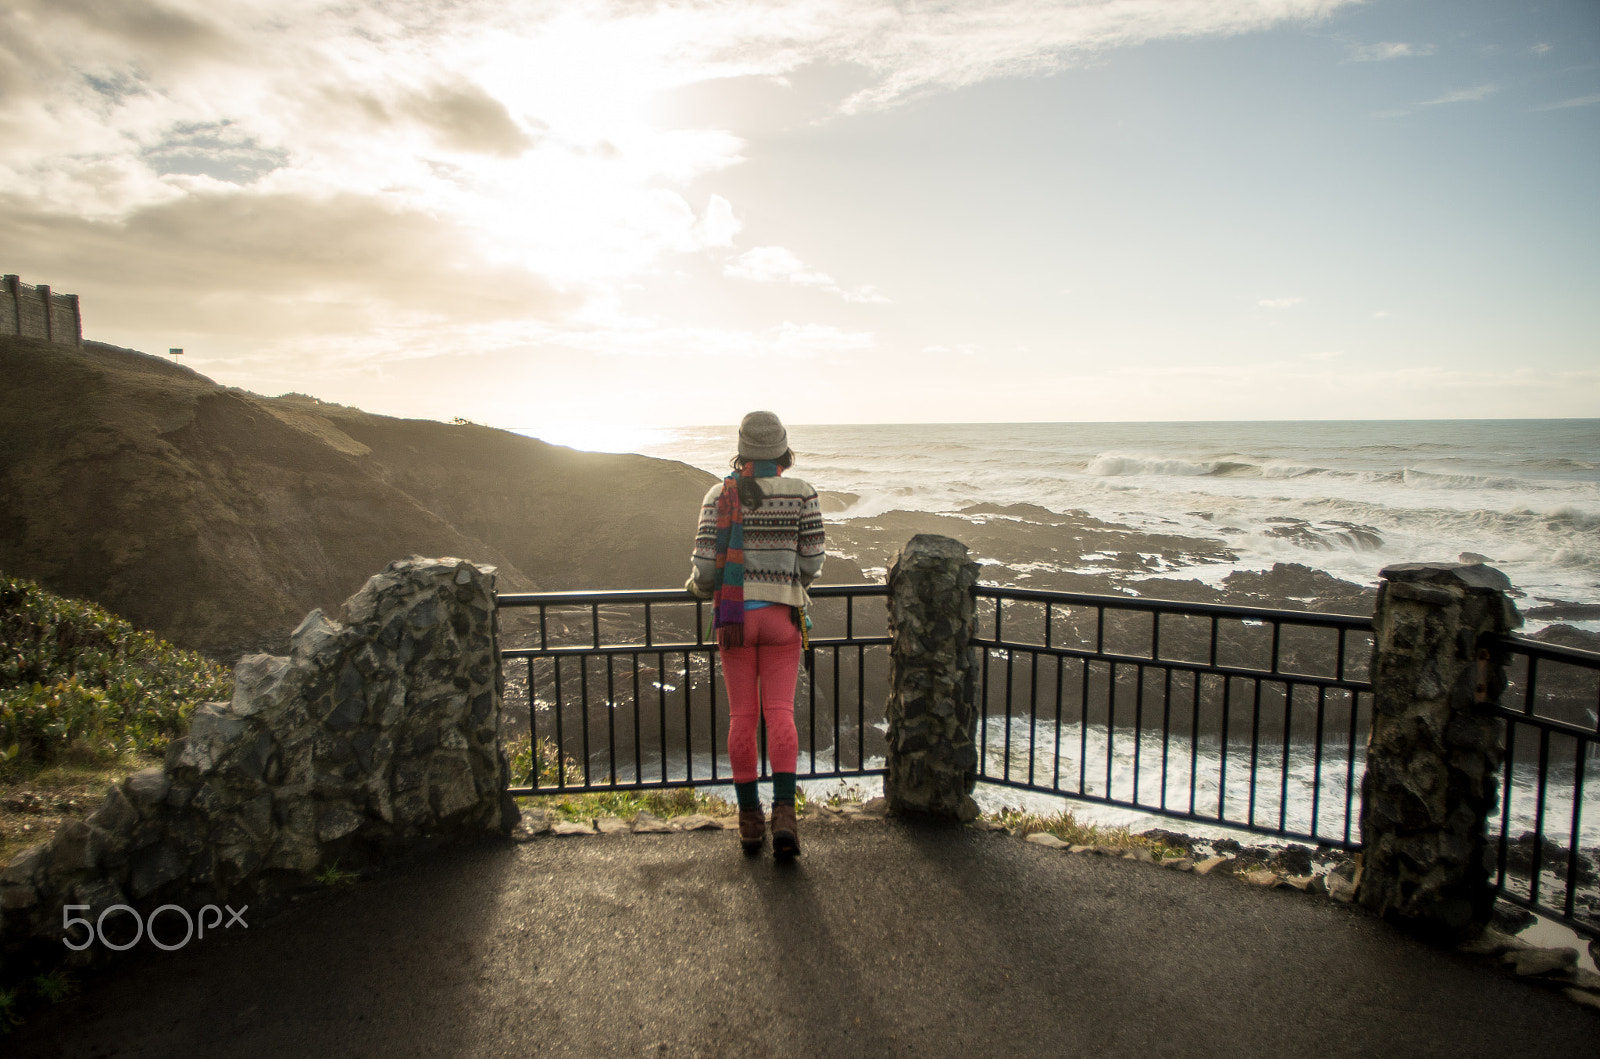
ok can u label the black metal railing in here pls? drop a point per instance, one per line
(1244, 718)
(619, 690)
(1551, 707)
(1240, 717)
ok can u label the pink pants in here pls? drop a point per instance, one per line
(760, 677)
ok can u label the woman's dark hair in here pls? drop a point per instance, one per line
(750, 494)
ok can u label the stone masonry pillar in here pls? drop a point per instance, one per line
(1434, 755)
(933, 709)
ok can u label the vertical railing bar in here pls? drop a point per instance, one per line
(583, 686)
(1580, 764)
(611, 715)
(811, 706)
(1005, 768)
(688, 717)
(1288, 730)
(1033, 713)
(1222, 750)
(544, 630)
(638, 721)
(1277, 636)
(1138, 726)
(1111, 726)
(1083, 729)
(594, 624)
(1166, 733)
(661, 704)
(1316, 760)
(839, 762)
(983, 714)
(1194, 740)
(1055, 780)
(1350, 764)
(711, 696)
(1049, 609)
(1255, 750)
(561, 738)
(649, 628)
(861, 707)
(1538, 812)
(533, 728)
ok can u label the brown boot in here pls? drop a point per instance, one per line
(785, 831)
(752, 829)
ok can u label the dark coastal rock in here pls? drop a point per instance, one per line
(1565, 635)
(1511, 919)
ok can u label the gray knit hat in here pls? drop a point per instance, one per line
(762, 437)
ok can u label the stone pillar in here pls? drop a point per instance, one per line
(1434, 755)
(10, 316)
(933, 703)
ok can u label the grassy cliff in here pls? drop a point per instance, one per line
(218, 518)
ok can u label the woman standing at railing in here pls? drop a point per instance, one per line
(758, 546)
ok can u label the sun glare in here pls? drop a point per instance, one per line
(596, 437)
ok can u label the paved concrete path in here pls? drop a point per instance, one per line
(885, 938)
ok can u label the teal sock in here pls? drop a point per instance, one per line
(783, 787)
(749, 797)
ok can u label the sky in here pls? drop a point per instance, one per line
(578, 218)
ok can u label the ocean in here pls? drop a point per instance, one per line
(1348, 498)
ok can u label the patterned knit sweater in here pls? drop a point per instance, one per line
(783, 543)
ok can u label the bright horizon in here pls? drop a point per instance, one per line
(566, 217)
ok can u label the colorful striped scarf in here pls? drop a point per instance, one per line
(727, 606)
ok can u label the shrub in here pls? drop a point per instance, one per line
(78, 680)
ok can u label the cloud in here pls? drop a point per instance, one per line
(770, 264)
(1366, 53)
(776, 264)
(718, 225)
(1577, 101)
(463, 117)
(1467, 95)
(260, 267)
(788, 339)
(1279, 303)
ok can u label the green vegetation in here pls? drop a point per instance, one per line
(79, 684)
(529, 758)
(679, 801)
(54, 987)
(1067, 828)
(334, 876)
